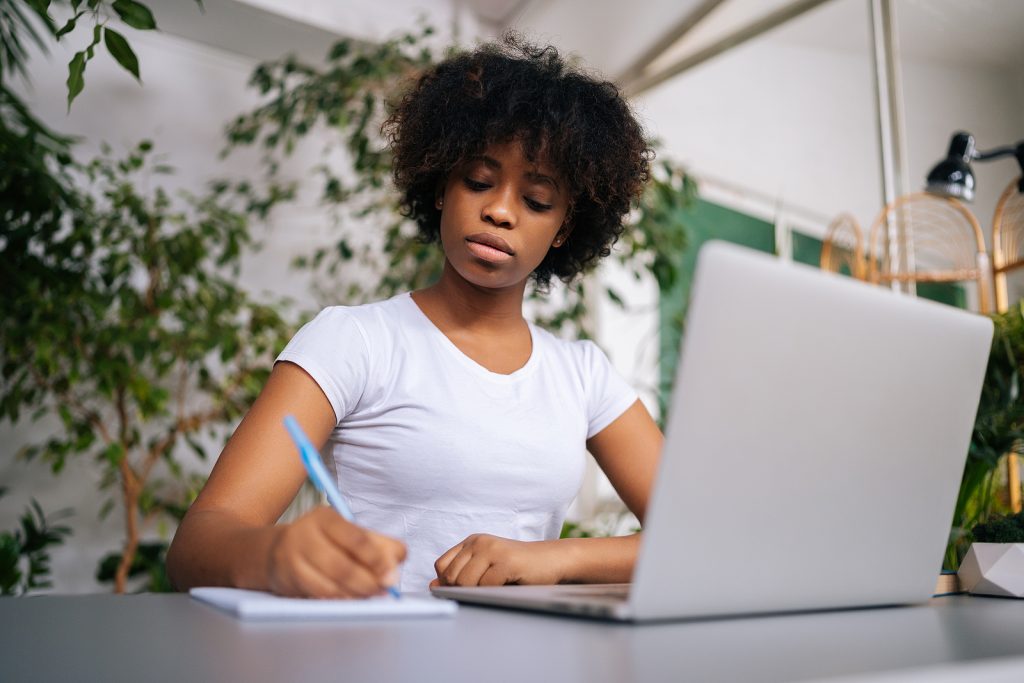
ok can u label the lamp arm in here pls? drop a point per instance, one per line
(1015, 151)
(996, 153)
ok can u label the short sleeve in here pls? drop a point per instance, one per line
(333, 349)
(608, 394)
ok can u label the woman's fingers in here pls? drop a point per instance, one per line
(378, 554)
(496, 575)
(466, 563)
(441, 564)
(472, 570)
(451, 573)
(349, 574)
(321, 554)
(310, 582)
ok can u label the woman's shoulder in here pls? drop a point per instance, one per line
(582, 353)
(371, 318)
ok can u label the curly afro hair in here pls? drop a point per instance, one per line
(512, 90)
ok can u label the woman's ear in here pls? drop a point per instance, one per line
(439, 195)
(562, 236)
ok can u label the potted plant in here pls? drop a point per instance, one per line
(998, 435)
(994, 564)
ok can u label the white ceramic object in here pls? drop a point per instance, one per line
(993, 569)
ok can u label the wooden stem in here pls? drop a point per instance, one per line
(1013, 477)
(130, 492)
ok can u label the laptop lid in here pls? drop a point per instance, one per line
(814, 446)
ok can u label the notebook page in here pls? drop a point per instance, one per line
(249, 604)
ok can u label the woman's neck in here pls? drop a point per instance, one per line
(454, 302)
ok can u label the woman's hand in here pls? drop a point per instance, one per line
(485, 560)
(320, 555)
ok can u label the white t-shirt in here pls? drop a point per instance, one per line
(431, 447)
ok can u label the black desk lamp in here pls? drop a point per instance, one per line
(953, 177)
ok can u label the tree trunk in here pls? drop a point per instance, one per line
(130, 492)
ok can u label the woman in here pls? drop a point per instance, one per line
(455, 429)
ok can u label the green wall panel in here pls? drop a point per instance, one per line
(706, 221)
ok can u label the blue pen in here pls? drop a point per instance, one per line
(318, 473)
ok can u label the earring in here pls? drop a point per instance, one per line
(440, 202)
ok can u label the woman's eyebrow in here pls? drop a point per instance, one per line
(545, 179)
(489, 162)
(533, 176)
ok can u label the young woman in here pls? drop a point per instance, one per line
(456, 430)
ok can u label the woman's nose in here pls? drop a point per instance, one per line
(498, 211)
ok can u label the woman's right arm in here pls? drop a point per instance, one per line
(229, 536)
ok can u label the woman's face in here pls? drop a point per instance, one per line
(499, 216)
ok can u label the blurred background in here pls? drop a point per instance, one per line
(773, 117)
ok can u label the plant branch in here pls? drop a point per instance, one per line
(66, 398)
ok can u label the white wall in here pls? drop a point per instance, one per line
(797, 123)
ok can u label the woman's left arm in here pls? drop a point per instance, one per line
(627, 451)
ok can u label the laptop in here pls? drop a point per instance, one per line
(814, 447)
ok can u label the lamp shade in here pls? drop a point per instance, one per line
(952, 177)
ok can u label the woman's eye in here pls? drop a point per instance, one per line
(537, 206)
(476, 185)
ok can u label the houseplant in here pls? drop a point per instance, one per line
(998, 434)
(129, 327)
(994, 564)
(24, 552)
(121, 316)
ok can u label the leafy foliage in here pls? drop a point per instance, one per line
(347, 98)
(659, 235)
(24, 554)
(1001, 529)
(998, 431)
(121, 316)
(14, 21)
(149, 561)
(123, 319)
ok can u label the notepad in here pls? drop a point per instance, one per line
(248, 604)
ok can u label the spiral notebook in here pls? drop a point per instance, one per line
(248, 604)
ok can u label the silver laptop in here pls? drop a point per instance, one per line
(813, 454)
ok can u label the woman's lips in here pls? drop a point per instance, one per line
(489, 247)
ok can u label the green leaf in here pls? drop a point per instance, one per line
(106, 508)
(338, 50)
(614, 296)
(68, 27)
(135, 14)
(10, 573)
(121, 51)
(113, 454)
(76, 68)
(96, 33)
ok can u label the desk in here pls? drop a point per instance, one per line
(173, 638)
